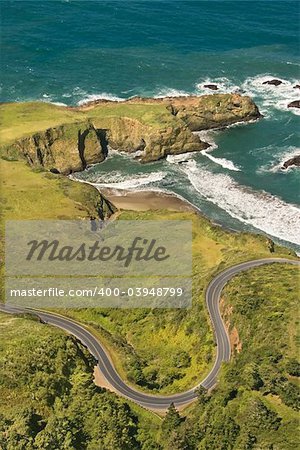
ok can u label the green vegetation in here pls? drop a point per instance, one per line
(256, 403)
(48, 399)
(27, 194)
(169, 351)
(23, 119)
(54, 137)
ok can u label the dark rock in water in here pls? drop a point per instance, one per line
(295, 161)
(297, 86)
(294, 104)
(273, 82)
(213, 87)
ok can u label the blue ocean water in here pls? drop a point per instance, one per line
(74, 51)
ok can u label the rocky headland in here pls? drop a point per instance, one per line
(55, 141)
(149, 129)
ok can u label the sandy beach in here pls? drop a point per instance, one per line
(145, 200)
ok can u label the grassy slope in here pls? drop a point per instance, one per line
(26, 194)
(21, 119)
(265, 315)
(179, 343)
(55, 385)
(171, 350)
(239, 414)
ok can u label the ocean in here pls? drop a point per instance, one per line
(70, 52)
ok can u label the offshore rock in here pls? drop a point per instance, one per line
(292, 162)
(274, 82)
(213, 87)
(294, 104)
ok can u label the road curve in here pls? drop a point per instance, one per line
(154, 402)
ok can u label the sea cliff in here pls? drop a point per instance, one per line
(149, 129)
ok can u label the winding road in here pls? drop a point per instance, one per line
(154, 402)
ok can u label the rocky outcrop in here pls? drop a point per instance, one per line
(274, 82)
(213, 87)
(297, 86)
(149, 129)
(215, 111)
(63, 149)
(148, 143)
(294, 104)
(295, 161)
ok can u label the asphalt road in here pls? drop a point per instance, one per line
(154, 402)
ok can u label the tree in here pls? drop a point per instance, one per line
(172, 419)
(177, 441)
(202, 395)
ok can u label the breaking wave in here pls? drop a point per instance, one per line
(267, 96)
(207, 136)
(169, 92)
(103, 96)
(224, 86)
(117, 180)
(277, 164)
(277, 97)
(259, 209)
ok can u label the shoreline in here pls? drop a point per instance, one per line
(155, 200)
(146, 200)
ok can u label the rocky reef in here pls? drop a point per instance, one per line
(292, 162)
(149, 129)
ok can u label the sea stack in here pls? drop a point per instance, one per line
(273, 82)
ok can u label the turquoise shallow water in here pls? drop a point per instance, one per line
(74, 51)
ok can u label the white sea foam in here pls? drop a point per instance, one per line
(117, 180)
(226, 163)
(180, 158)
(293, 63)
(267, 96)
(277, 97)
(275, 156)
(169, 92)
(47, 99)
(103, 96)
(291, 152)
(223, 83)
(256, 208)
(207, 136)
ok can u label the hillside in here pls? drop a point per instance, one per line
(253, 407)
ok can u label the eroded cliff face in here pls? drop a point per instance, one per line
(71, 147)
(150, 143)
(63, 149)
